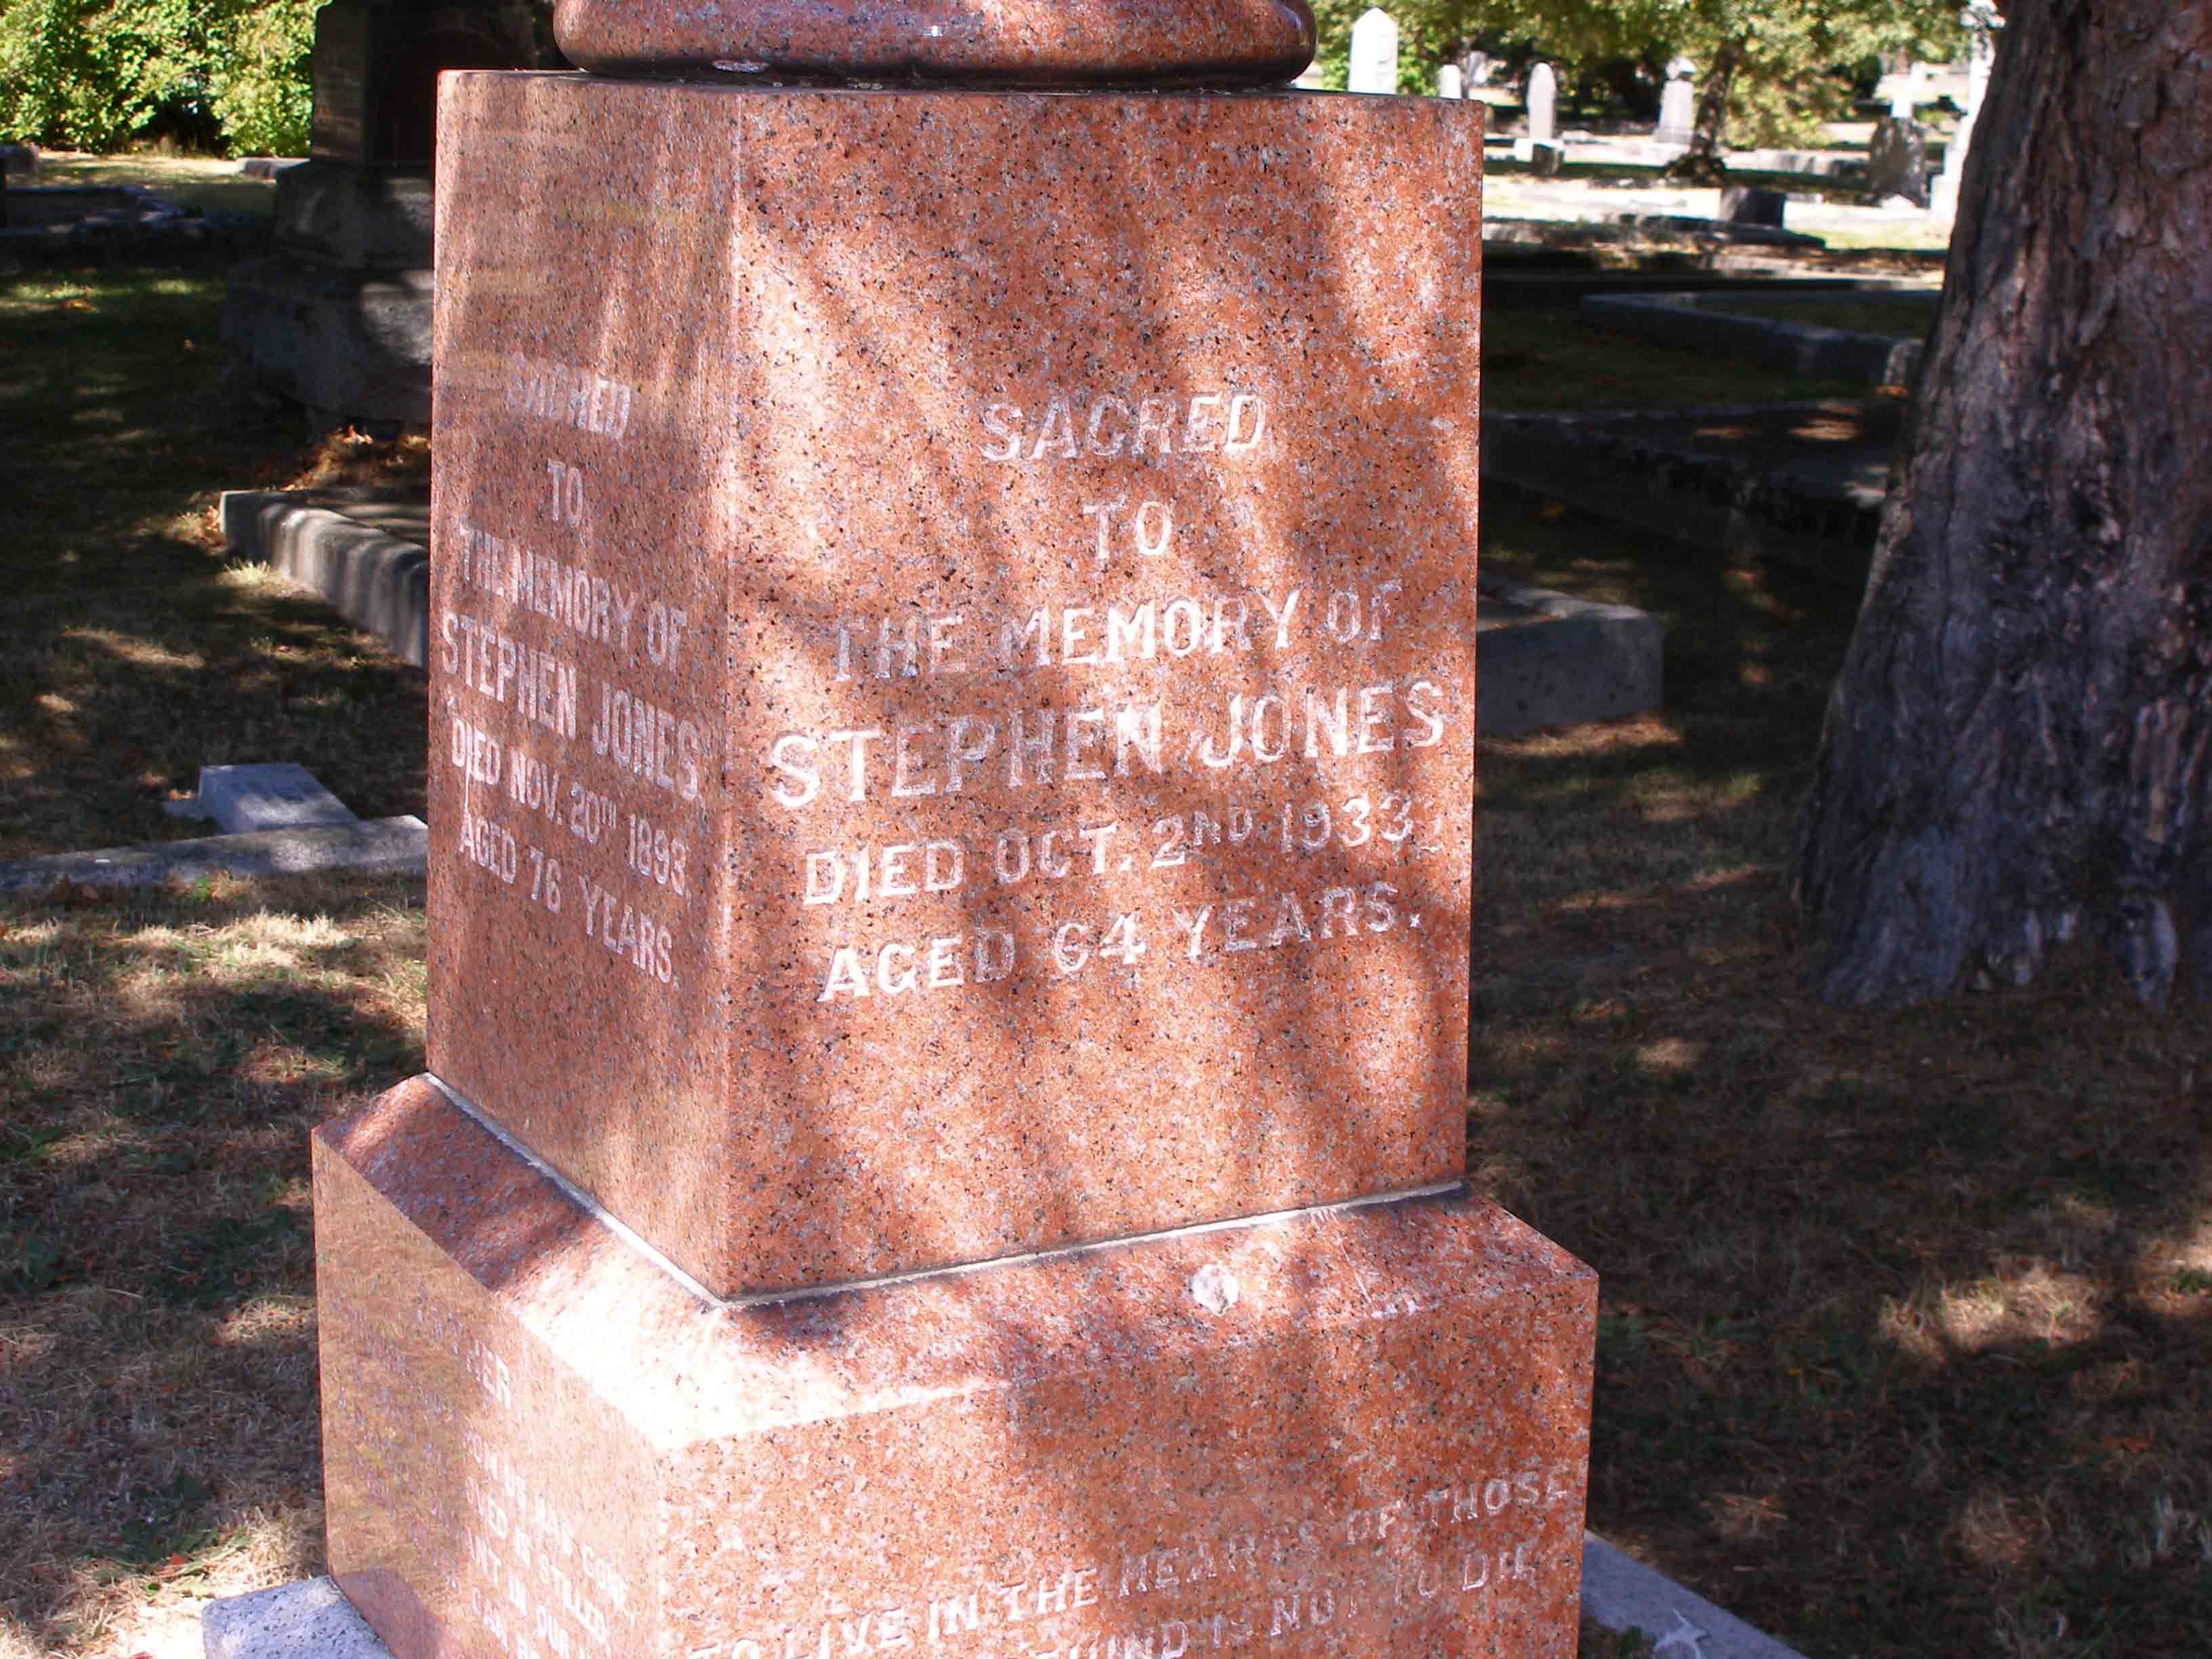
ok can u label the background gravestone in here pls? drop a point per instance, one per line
(1897, 162)
(953, 714)
(1542, 99)
(1374, 64)
(338, 318)
(1678, 104)
(1981, 21)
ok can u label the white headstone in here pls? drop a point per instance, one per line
(1981, 21)
(1543, 104)
(1374, 52)
(1678, 105)
(1450, 84)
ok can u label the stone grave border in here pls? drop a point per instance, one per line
(1567, 662)
(1608, 463)
(365, 550)
(158, 233)
(1701, 322)
(398, 843)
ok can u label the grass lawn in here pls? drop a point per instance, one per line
(134, 657)
(188, 181)
(1905, 1345)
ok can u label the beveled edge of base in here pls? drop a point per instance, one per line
(598, 1304)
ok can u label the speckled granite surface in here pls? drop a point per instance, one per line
(1221, 41)
(1358, 1431)
(953, 640)
(952, 637)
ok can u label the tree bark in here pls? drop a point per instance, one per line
(1708, 126)
(2019, 744)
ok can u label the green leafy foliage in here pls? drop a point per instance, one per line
(95, 73)
(1794, 60)
(261, 86)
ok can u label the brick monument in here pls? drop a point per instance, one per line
(952, 726)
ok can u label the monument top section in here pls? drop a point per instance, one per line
(1027, 42)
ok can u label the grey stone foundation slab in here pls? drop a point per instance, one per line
(1622, 1593)
(1544, 659)
(367, 552)
(400, 843)
(1696, 320)
(311, 1620)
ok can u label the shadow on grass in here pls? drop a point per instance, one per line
(1907, 1317)
(164, 1055)
(134, 656)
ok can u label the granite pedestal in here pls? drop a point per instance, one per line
(953, 707)
(953, 678)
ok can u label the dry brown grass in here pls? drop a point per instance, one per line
(133, 656)
(1905, 1319)
(1906, 1316)
(163, 1055)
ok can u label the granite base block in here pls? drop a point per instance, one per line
(341, 342)
(1362, 1429)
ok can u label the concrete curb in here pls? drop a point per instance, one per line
(1692, 319)
(378, 579)
(1570, 661)
(400, 843)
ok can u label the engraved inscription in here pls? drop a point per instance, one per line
(1277, 799)
(1209, 1590)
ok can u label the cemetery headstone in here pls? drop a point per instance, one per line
(1747, 204)
(953, 721)
(1450, 83)
(337, 318)
(1897, 162)
(1678, 104)
(1541, 98)
(1545, 160)
(1373, 65)
(1543, 104)
(1981, 21)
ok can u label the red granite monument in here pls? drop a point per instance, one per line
(953, 732)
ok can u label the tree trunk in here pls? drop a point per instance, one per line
(2019, 743)
(1709, 124)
